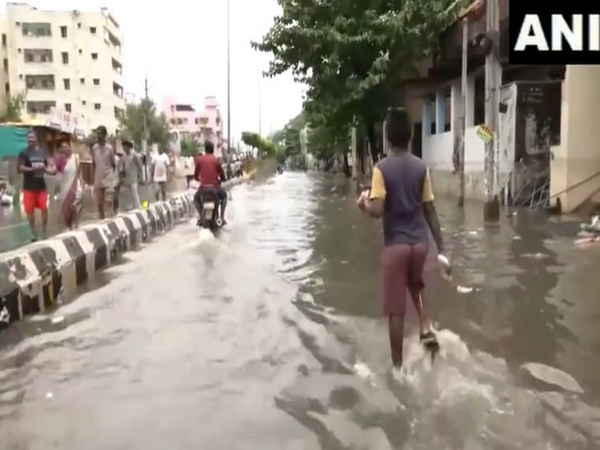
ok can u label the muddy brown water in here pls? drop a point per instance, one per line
(271, 337)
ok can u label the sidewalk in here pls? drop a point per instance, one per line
(14, 229)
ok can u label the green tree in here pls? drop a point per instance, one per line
(132, 123)
(266, 148)
(350, 54)
(14, 108)
(190, 147)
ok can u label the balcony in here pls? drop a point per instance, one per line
(37, 55)
(112, 41)
(36, 30)
(42, 107)
(117, 66)
(40, 82)
(118, 90)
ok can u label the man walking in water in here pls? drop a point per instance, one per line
(130, 173)
(34, 166)
(104, 161)
(402, 195)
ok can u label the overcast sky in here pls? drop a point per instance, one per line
(182, 46)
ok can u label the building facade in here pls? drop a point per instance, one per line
(68, 64)
(193, 123)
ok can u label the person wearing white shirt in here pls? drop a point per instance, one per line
(159, 171)
(189, 170)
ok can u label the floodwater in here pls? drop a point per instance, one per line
(270, 337)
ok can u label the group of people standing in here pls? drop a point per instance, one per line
(113, 175)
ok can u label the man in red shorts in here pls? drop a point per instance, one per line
(401, 194)
(33, 164)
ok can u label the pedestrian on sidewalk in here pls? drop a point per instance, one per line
(116, 184)
(104, 161)
(71, 185)
(188, 167)
(130, 172)
(34, 166)
(402, 195)
(160, 170)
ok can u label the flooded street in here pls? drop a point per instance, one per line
(271, 337)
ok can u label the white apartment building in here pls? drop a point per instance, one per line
(68, 63)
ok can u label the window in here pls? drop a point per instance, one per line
(432, 115)
(447, 111)
(4, 40)
(7, 88)
(479, 113)
(196, 121)
(65, 57)
(79, 25)
(97, 106)
(94, 55)
(20, 50)
(97, 81)
(18, 24)
(82, 80)
(6, 64)
(81, 51)
(93, 30)
(28, 57)
(83, 102)
(63, 32)
(67, 83)
(67, 107)
(45, 84)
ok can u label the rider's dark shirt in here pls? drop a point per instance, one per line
(209, 171)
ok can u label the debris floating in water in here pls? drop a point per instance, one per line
(58, 319)
(551, 375)
(464, 289)
(49, 395)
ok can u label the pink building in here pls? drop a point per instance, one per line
(192, 123)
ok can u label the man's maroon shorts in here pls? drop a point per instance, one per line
(402, 269)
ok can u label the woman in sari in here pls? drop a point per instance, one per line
(71, 185)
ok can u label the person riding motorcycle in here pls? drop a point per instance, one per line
(210, 174)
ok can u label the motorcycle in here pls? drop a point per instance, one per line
(210, 218)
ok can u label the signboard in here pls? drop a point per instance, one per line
(485, 134)
(66, 122)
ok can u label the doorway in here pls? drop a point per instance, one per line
(417, 140)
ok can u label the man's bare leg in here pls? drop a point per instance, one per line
(44, 223)
(31, 220)
(416, 294)
(100, 201)
(396, 332)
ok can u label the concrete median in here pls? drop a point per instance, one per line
(36, 277)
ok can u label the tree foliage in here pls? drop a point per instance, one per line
(351, 53)
(266, 148)
(190, 147)
(14, 108)
(132, 123)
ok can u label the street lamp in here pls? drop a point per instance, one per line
(228, 78)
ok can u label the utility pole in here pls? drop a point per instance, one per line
(462, 126)
(493, 80)
(260, 105)
(228, 76)
(146, 137)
